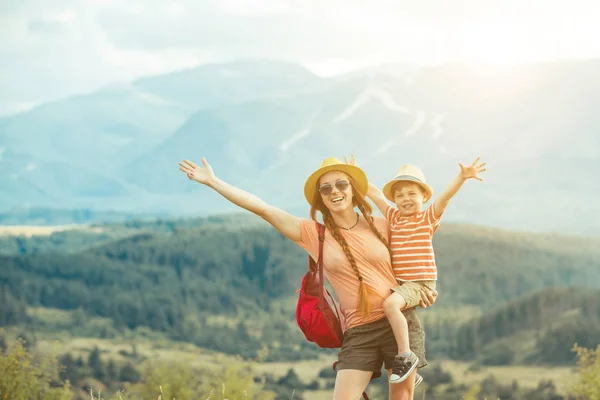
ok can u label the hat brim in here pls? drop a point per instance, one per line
(358, 176)
(388, 193)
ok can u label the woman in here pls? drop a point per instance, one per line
(356, 262)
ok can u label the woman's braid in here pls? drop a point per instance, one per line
(363, 301)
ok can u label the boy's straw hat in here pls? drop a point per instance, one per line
(333, 164)
(410, 173)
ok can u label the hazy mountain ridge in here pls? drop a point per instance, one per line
(266, 125)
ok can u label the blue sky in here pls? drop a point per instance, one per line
(52, 49)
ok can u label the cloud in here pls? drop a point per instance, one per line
(430, 31)
(52, 52)
(288, 30)
(53, 49)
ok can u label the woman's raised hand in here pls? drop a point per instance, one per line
(351, 160)
(202, 174)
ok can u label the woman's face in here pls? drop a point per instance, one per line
(336, 191)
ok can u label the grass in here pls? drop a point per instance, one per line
(526, 376)
(307, 371)
(146, 349)
(52, 316)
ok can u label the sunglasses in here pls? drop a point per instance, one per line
(327, 188)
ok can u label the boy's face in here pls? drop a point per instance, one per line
(409, 197)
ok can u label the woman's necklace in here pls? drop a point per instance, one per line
(357, 219)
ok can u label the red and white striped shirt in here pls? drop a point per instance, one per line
(413, 258)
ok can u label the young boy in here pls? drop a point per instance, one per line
(413, 258)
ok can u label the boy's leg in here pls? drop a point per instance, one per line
(392, 307)
(405, 295)
(405, 361)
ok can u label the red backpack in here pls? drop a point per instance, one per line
(315, 315)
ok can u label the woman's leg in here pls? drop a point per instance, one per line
(404, 390)
(350, 383)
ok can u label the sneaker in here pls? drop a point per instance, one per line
(403, 367)
(418, 380)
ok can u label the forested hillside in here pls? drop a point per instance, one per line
(175, 276)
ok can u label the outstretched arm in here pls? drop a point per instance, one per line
(465, 173)
(378, 198)
(287, 224)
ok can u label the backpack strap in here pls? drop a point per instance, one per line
(321, 232)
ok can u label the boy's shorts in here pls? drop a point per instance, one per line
(367, 347)
(411, 291)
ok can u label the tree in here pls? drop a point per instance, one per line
(27, 339)
(12, 311)
(112, 372)
(327, 372)
(79, 362)
(235, 381)
(78, 318)
(170, 380)
(435, 376)
(69, 369)
(498, 353)
(291, 380)
(128, 373)
(96, 365)
(181, 381)
(24, 376)
(587, 384)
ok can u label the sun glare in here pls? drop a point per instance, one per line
(496, 44)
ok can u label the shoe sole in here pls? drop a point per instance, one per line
(412, 368)
(418, 380)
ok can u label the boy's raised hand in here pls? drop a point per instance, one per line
(472, 170)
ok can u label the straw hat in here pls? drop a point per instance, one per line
(410, 173)
(333, 164)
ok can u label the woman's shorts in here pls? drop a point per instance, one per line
(367, 347)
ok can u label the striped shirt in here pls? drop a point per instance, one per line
(413, 258)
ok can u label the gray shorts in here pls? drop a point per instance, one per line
(368, 347)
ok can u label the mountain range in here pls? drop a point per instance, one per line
(266, 125)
